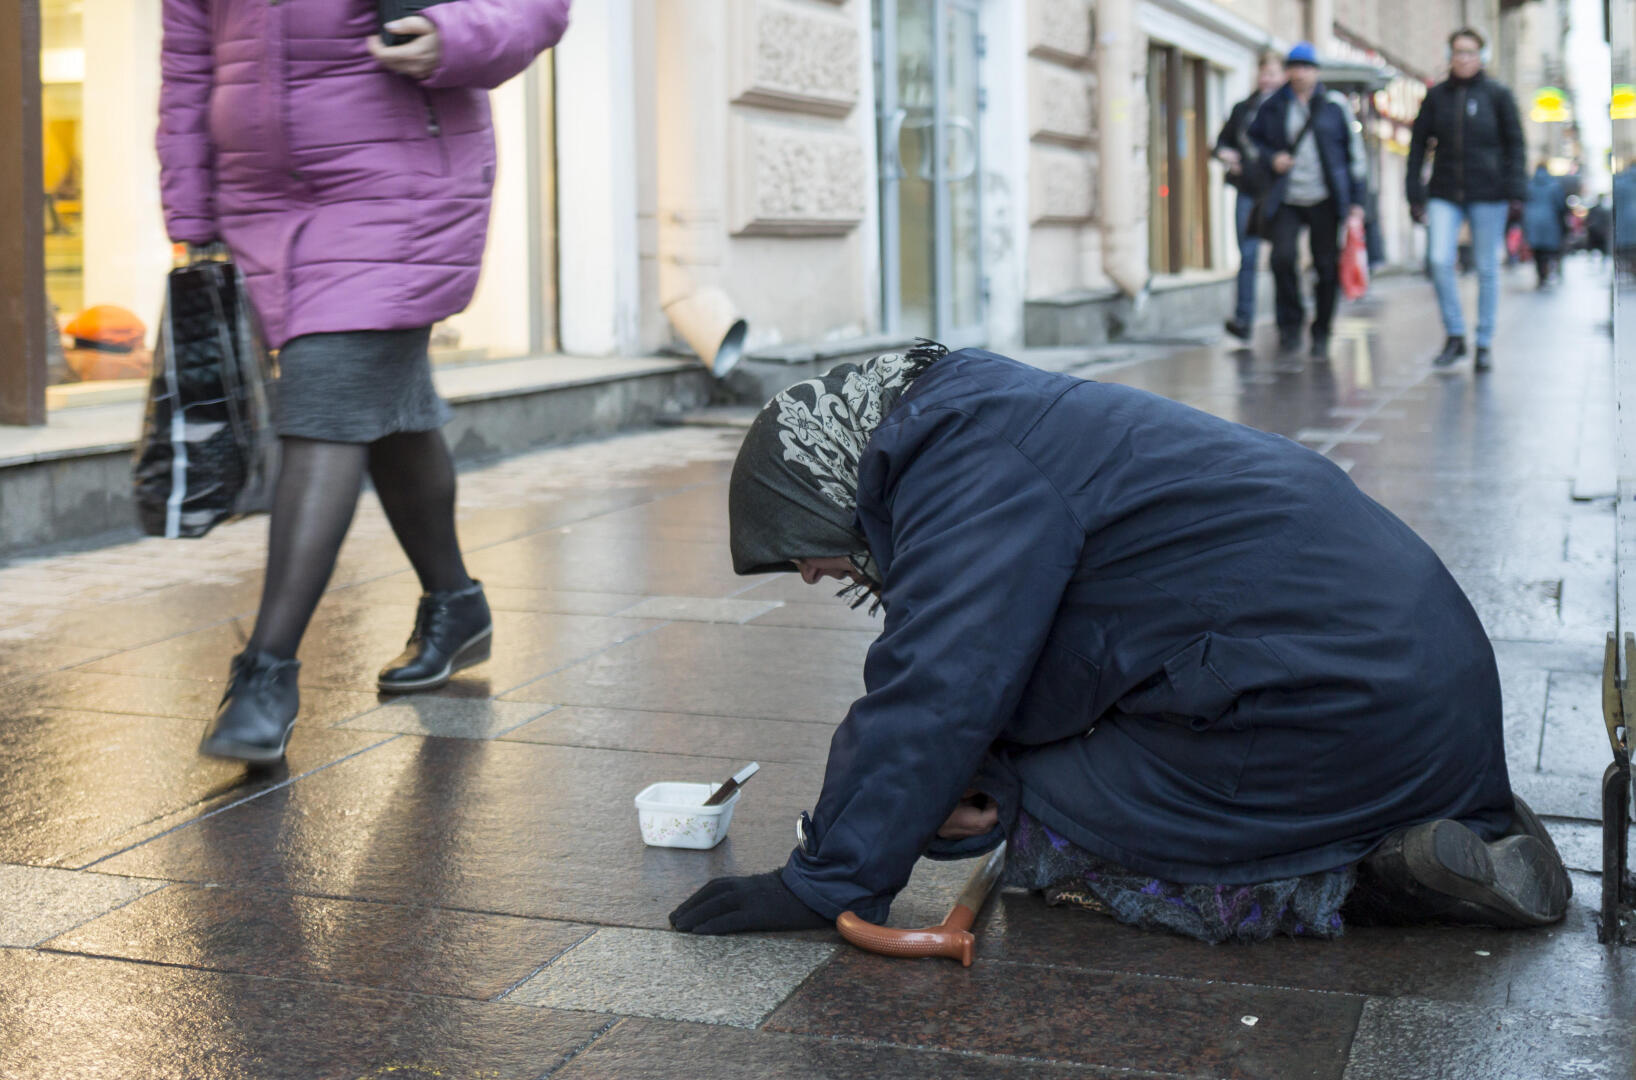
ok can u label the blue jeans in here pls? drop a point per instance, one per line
(1249, 249)
(1487, 236)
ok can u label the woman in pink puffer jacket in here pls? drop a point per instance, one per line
(350, 181)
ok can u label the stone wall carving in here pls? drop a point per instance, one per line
(1059, 103)
(1061, 185)
(795, 180)
(791, 56)
(1060, 30)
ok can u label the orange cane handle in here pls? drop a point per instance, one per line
(954, 942)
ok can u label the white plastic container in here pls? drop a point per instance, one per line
(674, 815)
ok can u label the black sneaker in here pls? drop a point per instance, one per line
(1443, 871)
(1320, 347)
(1453, 349)
(1482, 362)
(257, 712)
(1289, 341)
(453, 630)
(1241, 330)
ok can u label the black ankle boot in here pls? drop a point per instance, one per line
(452, 631)
(1453, 349)
(256, 714)
(1442, 871)
(1484, 361)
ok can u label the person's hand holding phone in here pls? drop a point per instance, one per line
(417, 58)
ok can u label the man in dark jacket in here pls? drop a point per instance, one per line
(1316, 152)
(1471, 123)
(1234, 149)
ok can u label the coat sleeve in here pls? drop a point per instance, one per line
(1513, 150)
(187, 180)
(1414, 183)
(1227, 139)
(983, 548)
(1261, 134)
(486, 42)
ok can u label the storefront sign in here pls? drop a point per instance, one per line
(1551, 106)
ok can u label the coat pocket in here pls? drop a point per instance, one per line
(1057, 702)
(1192, 687)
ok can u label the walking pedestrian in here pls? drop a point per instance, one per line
(1193, 653)
(1543, 214)
(1316, 151)
(1245, 172)
(1599, 226)
(1471, 123)
(351, 182)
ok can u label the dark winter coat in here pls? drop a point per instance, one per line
(1473, 127)
(1344, 172)
(1234, 136)
(1543, 213)
(1190, 647)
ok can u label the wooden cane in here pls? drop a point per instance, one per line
(952, 938)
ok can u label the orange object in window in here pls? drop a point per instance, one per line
(108, 328)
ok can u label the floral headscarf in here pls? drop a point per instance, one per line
(794, 492)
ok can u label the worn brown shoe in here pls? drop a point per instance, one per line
(1442, 871)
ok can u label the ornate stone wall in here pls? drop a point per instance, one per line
(794, 179)
(795, 175)
(1061, 112)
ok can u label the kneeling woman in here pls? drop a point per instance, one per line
(1193, 673)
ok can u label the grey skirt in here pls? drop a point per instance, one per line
(357, 386)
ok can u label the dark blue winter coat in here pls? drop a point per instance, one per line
(1543, 212)
(1331, 127)
(1191, 647)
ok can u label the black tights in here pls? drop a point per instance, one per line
(318, 484)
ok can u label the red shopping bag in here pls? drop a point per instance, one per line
(1355, 262)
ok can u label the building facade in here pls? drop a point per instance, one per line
(816, 175)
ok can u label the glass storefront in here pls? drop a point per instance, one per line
(106, 253)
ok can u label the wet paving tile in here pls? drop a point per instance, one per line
(1111, 1020)
(403, 590)
(154, 695)
(761, 671)
(679, 733)
(1575, 740)
(1579, 843)
(734, 980)
(1459, 964)
(595, 561)
(39, 902)
(1410, 1037)
(459, 718)
(699, 609)
(505, 827)
(346, 648)
(1559, 796)
(78, 782)
(640, 1049)
(22, 659)
(73, 1017)
(827, 614)
(315, 939)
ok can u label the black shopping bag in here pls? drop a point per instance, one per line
(207, 447)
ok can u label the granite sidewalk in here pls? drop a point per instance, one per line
(452, 885)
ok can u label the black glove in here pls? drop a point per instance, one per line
(732, 905)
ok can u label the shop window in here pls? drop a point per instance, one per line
(1179, 197)
(106, 252)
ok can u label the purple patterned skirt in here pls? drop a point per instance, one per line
(1309, 906)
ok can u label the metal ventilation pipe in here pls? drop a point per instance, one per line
(1124, 248)
(692, 91)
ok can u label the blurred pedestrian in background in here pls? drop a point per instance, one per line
(1543, 216)
(1316, 151)
(351, 183)
(1245, 172)
(1599, 226)
(1470, 123)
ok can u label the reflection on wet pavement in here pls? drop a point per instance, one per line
(453, 884)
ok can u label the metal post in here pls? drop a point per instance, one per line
(23, 307)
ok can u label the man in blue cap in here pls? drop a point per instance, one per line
(1316, 151)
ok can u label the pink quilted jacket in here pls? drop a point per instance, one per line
(353, 198)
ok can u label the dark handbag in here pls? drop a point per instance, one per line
(1260, 223)
(393, 10)
(207, 451)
